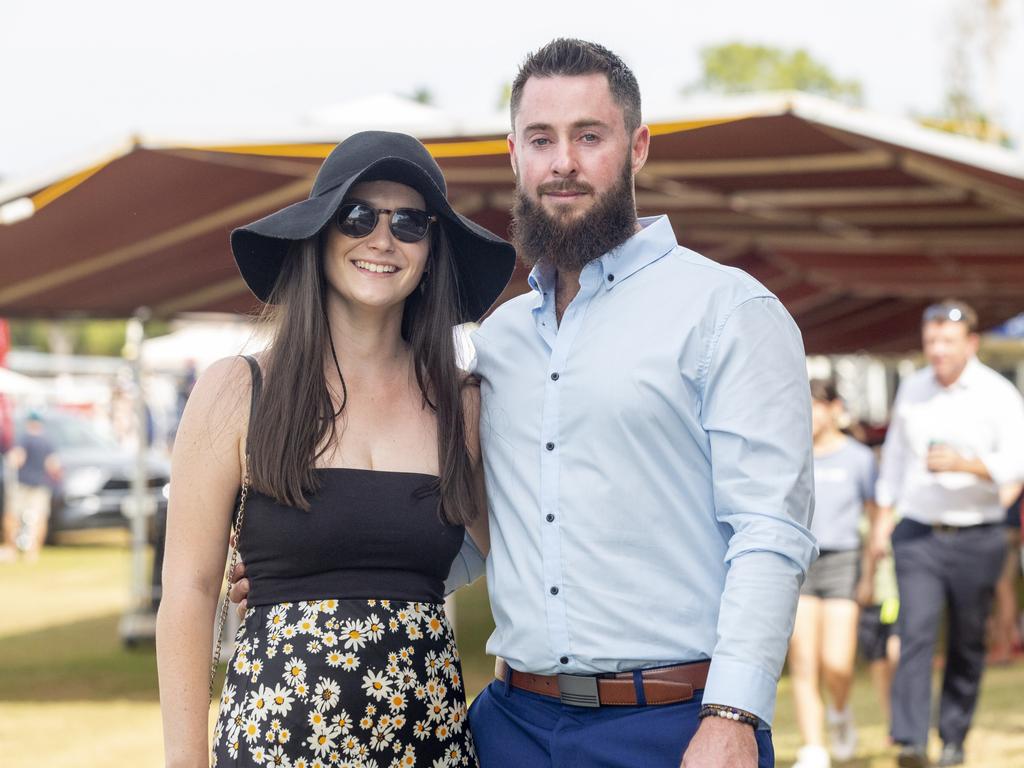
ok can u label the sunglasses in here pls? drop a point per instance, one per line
(410, 225)
(943, 313)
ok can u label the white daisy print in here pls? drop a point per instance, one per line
(355, 635)
(376, 685)
(326, 693)
(322, 740)
(295, 670)
(434, 627)
(276, 757)
(285, 704)
(281, 700)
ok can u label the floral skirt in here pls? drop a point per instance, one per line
(347, 683)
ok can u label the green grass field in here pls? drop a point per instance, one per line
(70, 695)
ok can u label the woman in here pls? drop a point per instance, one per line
(357, 436)
(825, 633)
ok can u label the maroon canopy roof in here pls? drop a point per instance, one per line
(856, 222)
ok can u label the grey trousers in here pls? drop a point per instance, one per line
(936, 570)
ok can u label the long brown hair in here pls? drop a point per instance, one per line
(295, 419)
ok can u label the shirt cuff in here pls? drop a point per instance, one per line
(886, 498)
(1003, 469)
(743, 686)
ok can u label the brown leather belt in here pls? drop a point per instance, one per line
(662, 685)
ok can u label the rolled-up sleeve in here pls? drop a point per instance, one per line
(469, 565)
(756, 412)
(891, 469)
(1006, 462)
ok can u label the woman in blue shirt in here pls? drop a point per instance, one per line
(824, 641)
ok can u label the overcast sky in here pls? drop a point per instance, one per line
(77, 76)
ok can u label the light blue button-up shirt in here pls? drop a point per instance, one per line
(649, 471)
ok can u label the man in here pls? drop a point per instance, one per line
(37, 464)
(956, 437)
(645, 427)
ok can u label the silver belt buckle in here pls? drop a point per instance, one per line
(578, 690)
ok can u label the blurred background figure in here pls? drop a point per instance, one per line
(38, 468)
(877, 629)
(956, 441)
(824, 641)
(1004, 624)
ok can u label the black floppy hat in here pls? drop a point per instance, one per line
(483, 261)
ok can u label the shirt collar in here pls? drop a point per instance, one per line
(967, 378)
(654, 240)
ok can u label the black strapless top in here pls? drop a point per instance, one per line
(367, 534)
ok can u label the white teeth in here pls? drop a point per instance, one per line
(369, 267)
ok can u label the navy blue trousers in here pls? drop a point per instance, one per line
(514, 728)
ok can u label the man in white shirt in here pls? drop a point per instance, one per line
(956, 440)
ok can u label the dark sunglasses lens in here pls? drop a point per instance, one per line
(409, 225)
(356, 220)
(943, 312)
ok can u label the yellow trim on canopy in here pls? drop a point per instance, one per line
(660, 129)
(47, 195)
(444, 149)
(319, 151)
(439, 149)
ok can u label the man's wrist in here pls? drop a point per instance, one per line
(729, 713)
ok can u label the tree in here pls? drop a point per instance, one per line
(504, 96)
(742, 68)
(79, 337)
(422, 95)
(979, 32)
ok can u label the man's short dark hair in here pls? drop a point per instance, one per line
(952, 311)
(569, 56)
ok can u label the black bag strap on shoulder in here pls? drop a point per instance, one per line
(257, 383)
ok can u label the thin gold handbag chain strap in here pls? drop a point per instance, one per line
(232, 562)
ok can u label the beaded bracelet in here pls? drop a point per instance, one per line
(729, 713)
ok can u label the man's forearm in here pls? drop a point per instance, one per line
(755, 621)
(975, 467)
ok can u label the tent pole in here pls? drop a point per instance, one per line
(138, 623)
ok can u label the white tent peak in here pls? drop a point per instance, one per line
(385, 111)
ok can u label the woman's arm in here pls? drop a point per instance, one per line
(206, 471)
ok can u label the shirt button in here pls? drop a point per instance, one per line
(554, 590)
(610, 278)
(554, 377)
(549, 517)
(550, 446)
(564, 660)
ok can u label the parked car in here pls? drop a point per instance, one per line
(96, 478)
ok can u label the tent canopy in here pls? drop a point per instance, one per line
(854, 220)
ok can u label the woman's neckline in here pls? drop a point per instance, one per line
(833, 448)
(375, 471)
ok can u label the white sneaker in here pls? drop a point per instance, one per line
(812, 756)
(842, 735)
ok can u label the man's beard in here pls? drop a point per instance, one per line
(569, 245)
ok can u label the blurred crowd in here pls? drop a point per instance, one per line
(920, 552)
(68, 468)
(918, 527)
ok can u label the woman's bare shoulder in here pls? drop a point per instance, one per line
(219, 402)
